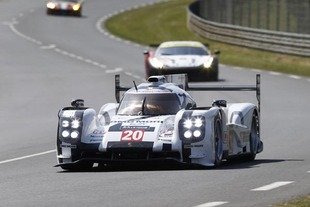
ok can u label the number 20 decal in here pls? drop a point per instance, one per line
(132, 135)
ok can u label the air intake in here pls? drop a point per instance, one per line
(157, 79)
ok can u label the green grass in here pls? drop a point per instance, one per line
(167, 21)
(298, 202)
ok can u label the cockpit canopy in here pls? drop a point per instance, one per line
(149, 104)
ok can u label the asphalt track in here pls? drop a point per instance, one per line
(45, 61)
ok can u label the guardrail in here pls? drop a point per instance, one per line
(282, 42)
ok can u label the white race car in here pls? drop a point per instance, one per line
(178, 57)
(159, 120)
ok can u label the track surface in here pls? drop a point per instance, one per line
(45, 61)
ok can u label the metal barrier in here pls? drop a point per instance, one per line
(276, 41)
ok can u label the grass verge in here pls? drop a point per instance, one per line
(298, 202)
(166, 21)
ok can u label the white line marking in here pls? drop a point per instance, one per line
(88, 61)
(57, 50)
(115, 70)
(237, 68)
(272, 186)
(137, 77)
(308, 171)
(257, 70)
(79, 58)
(71, 55)
(212, 204)
(96, 64)
(28, 156)
(47, 47)
(274, 73)
(295, 77)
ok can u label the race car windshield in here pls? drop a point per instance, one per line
(149, 104)
(181, 51)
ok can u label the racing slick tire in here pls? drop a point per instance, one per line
(49, 11)
(79, 12)
(218, 141)
(213, 75)
(254, 139)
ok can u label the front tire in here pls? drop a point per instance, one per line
(79, 12)
(218, 142)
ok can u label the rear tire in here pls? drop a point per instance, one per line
(254, 139)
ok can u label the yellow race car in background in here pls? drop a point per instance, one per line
(70, 7)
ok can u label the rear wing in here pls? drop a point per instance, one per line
(255, 87)
(182, 81)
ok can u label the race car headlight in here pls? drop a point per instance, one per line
(188, 123)
(187, 134)
(156, 63)
(74, 134)
(51, 5)
(192, 129)
(70, 125)
(197, 133)
(65, 133)
(198, 122)
(75, 124)
(208, 62)
(65, 123)
(76, 7)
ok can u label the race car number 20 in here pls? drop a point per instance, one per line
(132, 135)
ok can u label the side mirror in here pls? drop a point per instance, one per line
(146, 52)
(77, 103)
(189, 106)
(219, 103)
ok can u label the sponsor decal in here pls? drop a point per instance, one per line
(68, 146)
(132, 135)
(97, 133)
(96, 139)
(144, 128)
(119, 127)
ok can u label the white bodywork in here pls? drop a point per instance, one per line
(189, 60)
(107, 127)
